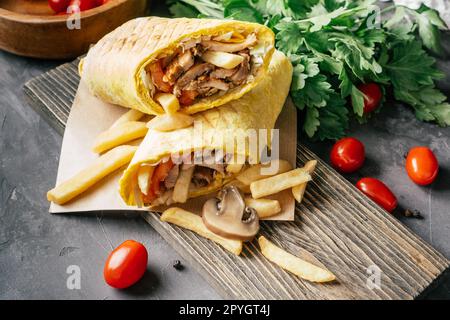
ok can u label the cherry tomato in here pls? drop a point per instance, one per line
(82, 5)
(126, 264)
(157, 74)
(378, 192)
(372, 96)
(421, 165)
(58, 5)
(100, 2)
(347, 155)
(160, 174)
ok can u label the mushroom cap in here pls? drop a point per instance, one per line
(228, 216)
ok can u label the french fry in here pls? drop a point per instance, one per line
(100, 168)
(181, 189)
(193, 222)
(163, 199)
(264, 207)
(299, 191)
(230, 37)
(170, 122)
(293, 264)
(131, 115)
(255, 173)
(168, 101)
(275, 184)
(118, 135)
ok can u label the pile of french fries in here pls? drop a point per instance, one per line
(258, 184)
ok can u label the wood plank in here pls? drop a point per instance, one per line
(342, 228)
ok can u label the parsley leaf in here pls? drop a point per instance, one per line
(287, 8)
(315, 93)
(426, 19)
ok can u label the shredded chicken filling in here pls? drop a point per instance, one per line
(197, 69)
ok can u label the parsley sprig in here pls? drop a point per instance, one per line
(334, 45)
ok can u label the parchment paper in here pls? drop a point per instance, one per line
(90, 116)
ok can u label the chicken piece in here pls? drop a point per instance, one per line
(168, 59)
(172, 177)
(221, 73)
(244, 70)
(187, 97)
(214, 166)
(198, 50)
(157, 75)
(207, 83)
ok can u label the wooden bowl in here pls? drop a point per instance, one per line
(29, 27)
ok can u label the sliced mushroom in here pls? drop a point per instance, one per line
(228, 216)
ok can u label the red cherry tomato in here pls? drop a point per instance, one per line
(83, 5)
(421, 165)
(372, 96)
(347, 155)
(125, 265)
(100, 2)
(58, 5)
(378, 192)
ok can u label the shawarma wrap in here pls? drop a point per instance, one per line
(204, 63)
(166, 162)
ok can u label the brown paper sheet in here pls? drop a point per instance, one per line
(90, 116)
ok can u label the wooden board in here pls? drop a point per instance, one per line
(339, 226)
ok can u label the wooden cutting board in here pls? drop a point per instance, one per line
(341, 228)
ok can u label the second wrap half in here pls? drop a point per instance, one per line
(258, 109)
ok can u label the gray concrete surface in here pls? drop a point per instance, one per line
(36, 248)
